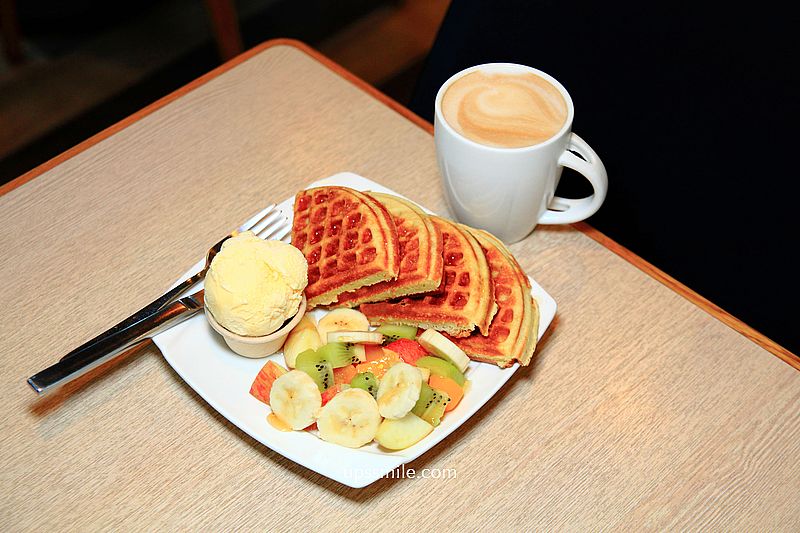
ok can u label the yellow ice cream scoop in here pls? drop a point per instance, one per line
(253, 286)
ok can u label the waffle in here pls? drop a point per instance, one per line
(421, 262)
(510, 330)
(348, 239)
(529, 332)
(533, 334)
(463, 301)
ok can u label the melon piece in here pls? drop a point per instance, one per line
(449, 387)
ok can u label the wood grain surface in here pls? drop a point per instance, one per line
(640, 410)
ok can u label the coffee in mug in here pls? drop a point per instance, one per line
(503, 135)
(504, 110)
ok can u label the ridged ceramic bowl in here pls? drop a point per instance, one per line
(256, 347)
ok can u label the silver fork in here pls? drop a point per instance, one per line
(160, 314)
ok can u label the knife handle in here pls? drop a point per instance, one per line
(145, 311)
(138, 329)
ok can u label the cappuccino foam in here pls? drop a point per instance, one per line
(504, 110)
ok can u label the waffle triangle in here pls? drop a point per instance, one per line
(462, 302)
(348, 239)
(420, 247)
(511, 336)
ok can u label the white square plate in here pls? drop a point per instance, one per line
(223, 379)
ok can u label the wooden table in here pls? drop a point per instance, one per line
(645, 407)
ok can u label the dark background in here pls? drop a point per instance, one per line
(693, 109)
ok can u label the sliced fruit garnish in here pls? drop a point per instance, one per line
(321, 363)
(356, 337)
(400, 433)
(381, 365)
(426, 373)
(344, 374)
(393, 332)
(372, 352)
(317, 367)
(366, 381)
(440, 367)
(342, 320)
(408, 350)
(328, 394)
(442, 347)
(431, 405)
(339, 354)
(303, 337)
(399, 390)
(448, 386)
(295, 399)
(264, 380)
(359, 352)
(307, 322)
(350, 419)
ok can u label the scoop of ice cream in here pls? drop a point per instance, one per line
(253, 286)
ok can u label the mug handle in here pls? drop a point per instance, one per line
(566, 210)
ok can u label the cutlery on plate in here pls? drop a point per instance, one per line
(135, 332)
(158, 315)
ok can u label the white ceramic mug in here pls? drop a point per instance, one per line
(508, 191)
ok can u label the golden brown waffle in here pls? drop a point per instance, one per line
(421, 262)
(509, 332)
(463, 301)
(348, 239)
(532, 328)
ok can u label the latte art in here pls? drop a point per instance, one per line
(504, 110)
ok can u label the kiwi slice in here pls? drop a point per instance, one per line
(366, 381)
(392, 332)
(339, 354)
(431, 404)
(442, 368)
(316, 366)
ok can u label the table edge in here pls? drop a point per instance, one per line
(703, 303)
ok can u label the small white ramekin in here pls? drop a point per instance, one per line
(256, 347)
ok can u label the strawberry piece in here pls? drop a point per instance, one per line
(408, 350)
(264, 380)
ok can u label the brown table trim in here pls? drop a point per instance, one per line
(703, 303)
(712, 309)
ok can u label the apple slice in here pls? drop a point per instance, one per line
(303, 337)
(400, 433)
(262, 384)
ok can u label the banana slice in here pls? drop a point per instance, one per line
(350, 418)
(295, 399)
(399, 390)
(342, 320)
(444, 348)
(356, 337)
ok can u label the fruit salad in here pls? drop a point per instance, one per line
(354, 385)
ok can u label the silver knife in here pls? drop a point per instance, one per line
(138, 329)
